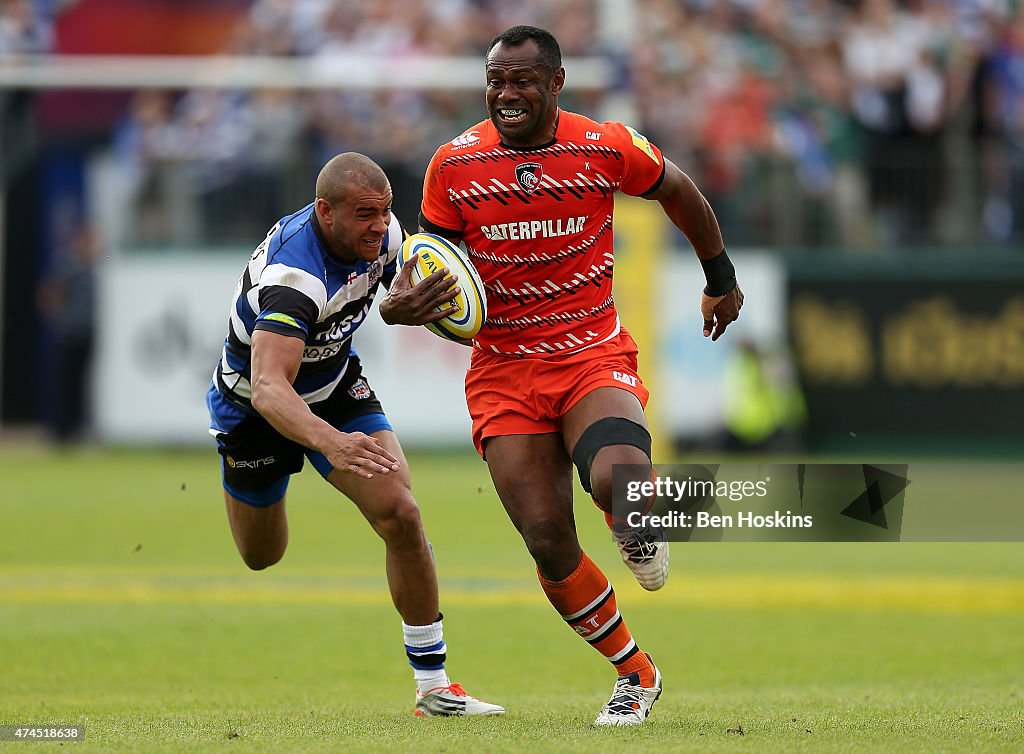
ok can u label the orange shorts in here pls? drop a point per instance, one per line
(529, 396)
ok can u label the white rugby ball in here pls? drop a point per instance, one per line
(436, 253)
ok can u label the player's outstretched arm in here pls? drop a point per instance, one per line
(686, 207)
(427, 301)
(275, 363)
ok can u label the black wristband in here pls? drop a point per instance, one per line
(720, 274)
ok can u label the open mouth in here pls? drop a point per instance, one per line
(511, 115)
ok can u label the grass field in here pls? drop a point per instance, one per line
(124, 608)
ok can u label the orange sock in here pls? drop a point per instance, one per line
(586, 601)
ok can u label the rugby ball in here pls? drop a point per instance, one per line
(436, 253)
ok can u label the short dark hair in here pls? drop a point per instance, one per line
(550, 53)
(349, 168)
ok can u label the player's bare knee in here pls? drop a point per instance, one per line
(260, 559)
(549, 540)
(400, 525)
(555, 550)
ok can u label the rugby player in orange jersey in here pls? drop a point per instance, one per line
(553, 377)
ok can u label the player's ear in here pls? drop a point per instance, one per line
(557, 81)
(324, 211)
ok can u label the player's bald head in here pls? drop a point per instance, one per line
(349, 169)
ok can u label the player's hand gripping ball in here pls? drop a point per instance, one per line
(436, 253)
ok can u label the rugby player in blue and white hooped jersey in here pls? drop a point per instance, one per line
(289, 386)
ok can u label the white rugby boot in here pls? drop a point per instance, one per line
(630, 703)
(645, 553)
(452, 701)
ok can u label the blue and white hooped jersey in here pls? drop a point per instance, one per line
(294, 286)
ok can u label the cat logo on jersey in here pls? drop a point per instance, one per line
(529, 174)
(641, 143)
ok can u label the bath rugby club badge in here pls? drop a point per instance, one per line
(529, 174)
(360, 391)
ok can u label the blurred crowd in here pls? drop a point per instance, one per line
(857, 123)
(254, 153)
(852, 123)
(26, 26)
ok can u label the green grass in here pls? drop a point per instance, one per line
(124, 608)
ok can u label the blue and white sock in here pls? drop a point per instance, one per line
(426, 650)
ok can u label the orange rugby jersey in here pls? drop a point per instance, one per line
(538, 227)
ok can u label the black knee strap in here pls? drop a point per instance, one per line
(611, 430)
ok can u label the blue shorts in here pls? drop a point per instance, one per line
(257, 460)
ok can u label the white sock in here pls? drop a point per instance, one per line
(427, 652)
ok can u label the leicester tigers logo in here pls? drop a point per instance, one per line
(529, 174)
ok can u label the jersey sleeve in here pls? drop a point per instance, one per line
(437, 214)
(290, 301)
(644, 165)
